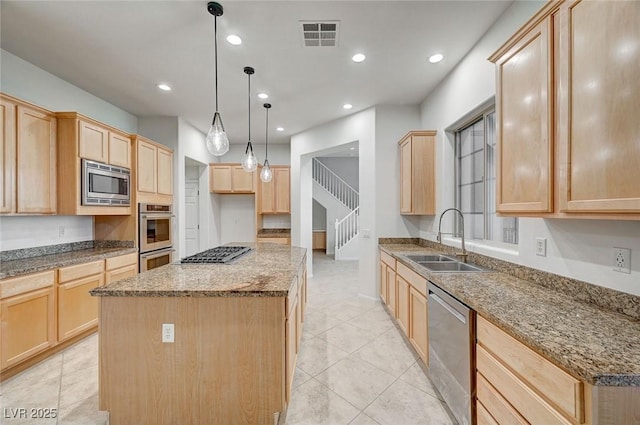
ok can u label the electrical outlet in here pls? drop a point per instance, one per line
(541, 247)
(168, 334)
(61, 231)
(622, 260)
(366, 233)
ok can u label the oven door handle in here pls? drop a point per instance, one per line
(156, 254)
(157, 216)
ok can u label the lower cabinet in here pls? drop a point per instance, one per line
(120, 267)
(295, 307)
(517, 385)
(77, 309)
(404, 293)
(282, 241)
(27, 316)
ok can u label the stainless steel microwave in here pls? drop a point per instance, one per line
(105, 185)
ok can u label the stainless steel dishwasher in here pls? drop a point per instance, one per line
(451, 352)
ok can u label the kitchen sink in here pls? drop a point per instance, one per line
(430, 258)
(451, 266)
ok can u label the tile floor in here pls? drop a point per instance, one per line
(353, 368)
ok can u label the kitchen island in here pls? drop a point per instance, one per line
(236, 334)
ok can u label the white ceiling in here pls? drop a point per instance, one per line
(120, 50)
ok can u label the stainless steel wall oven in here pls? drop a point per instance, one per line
(155, 235)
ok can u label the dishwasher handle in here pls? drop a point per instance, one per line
(446, 306)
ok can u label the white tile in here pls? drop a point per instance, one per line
(388, 352)
(316, 322)
(314, 404)
(417, 377)
(404, 404)
(356, 381)
(316, 355)
(299, 377)
(44, 371)
(38, 395)
(83, 412)
(78, 386)
(375, 320)
(347, 337)
(363, 419)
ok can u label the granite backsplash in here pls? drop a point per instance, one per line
(21, 254)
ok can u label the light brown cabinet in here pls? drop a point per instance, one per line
(402, 303)
(281, 241)
(319, 239)
(99, 143)
(27, 317)
(154, 171)
(120, 267)
(230, 178)
(77, 309)
(417, 173)
(567, 132)
(275, 196)
(28, 158)
(418, 332)
(80, 137)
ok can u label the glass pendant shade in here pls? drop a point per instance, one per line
(250, 162)
(217, 140)
(266, 174)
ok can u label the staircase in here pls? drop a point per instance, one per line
(347, 228)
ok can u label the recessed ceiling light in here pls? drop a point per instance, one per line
(164, 87)
(234, 39)
(280, 129)
(352, 149)
(358, 57)
(263, 95)
(436, 58)
(347, 106)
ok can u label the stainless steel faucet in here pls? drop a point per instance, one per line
(462, 254)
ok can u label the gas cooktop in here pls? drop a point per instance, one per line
(218, 255)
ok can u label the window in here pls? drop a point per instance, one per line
(475, 146)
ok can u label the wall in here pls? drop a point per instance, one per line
(581, 249)
(346, 168)
(377, 131)
(278, 154)
(319, 221)
(237, 219)
(30, 83)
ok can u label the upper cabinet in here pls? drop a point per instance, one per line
(275, 195)
(28, 157)
(154, 171)
(80, 137)
(230, 178)
(417, 173)
(566, 99)
(98, 143)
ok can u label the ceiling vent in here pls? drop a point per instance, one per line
(320, 33)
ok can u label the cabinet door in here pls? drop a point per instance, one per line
(119, 150)
(121, 273)
(28, 325)
(165, 172)
(290, 342)
(599, 99)
(220, 178)
(391, 291)
(77, 309)
(241, 180)
(267, 196)
(36, 166)
(282, 190)
(147, 167)
(7, 156)
(523, 109)
(418, 316)
(405, 176)
(402, 303)
(93, 142)
(384, 286)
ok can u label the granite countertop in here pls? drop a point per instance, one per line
(274, 233)
(267, 271)
(40, 263)
(593, 344)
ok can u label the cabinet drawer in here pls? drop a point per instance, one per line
(282, 241)
(388, 260)
(21, 284)
(499, 408)
(530, 405)
(414, 279)
(562, 389)
(121, 261)
(484, 418)
(66, 274)
(111, 276)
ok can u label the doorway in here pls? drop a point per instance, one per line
(192, 217)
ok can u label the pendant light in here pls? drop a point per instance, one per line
(266, 174)
(250, 162)
(217, 141)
